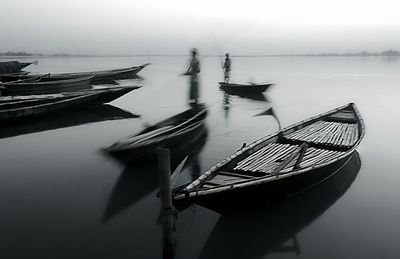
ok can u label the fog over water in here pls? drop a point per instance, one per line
(171, 27)
(62, 196)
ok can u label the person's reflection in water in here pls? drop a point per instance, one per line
(193, 71)
(225, 105)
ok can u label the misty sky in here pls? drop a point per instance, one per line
(174, 26)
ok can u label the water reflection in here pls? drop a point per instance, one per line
(250, 96)
(139, 179)
(254, 233)
(88, 114)
(270, 112)
(226, 105)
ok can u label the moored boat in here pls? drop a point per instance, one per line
(169, 133)
(83, 115)
(97, 76)
(283, 163)
(16, 109)
(12, 66)
(276, 225)
(244, 88)
(46, 85)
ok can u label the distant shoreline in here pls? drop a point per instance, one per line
(387, 53)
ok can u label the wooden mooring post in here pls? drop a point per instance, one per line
(168, 212)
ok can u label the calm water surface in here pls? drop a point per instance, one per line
(61, 197)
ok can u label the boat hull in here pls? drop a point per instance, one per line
(149, 152)
(47, 87)
(98, 77)
(244, 88)
(31, 108)
(269, 191)
(183, 127)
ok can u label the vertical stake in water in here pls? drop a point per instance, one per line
(168, 213)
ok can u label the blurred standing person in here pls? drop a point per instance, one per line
(193, 71)
(227, 68)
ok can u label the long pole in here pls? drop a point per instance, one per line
(219, 52)
(168, 212)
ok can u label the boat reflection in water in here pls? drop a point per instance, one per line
(226, 101)
(255, 232)
(87, 114)
(250, 96)
(139, 179)
(270, 112)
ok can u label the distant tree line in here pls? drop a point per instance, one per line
(20, 54)
(389, 52)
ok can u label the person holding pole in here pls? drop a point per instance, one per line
(227, 68)
(193, 71)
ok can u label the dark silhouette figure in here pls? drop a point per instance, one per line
(227, 68)
(193, 71)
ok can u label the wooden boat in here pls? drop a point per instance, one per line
(46, 85)
(283, 163)
(244, 88)
(13, 66)
(110, 94)
(272, 228)
(168, 133)
(19, 109)
(97, 76)
(139, 179)
(107, 95)
(89, 114)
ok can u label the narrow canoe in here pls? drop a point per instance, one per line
(12, 66)
(112, 93)
(70, 118)
(21, 109)
(107, 95)
(244, 88)
(46, 85)
(288, 161)
(139, 179)
(97, 76)
(169, 133)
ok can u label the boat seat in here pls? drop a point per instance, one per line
(343, 116)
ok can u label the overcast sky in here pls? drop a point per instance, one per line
(174, 26)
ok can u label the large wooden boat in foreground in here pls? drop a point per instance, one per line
(291, 160)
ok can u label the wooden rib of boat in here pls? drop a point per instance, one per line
(97, 76)
(168, 133)
(46, 85)
(16, 109)
(288, 161)
(244, 88)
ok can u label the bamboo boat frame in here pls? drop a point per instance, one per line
(191, 191)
